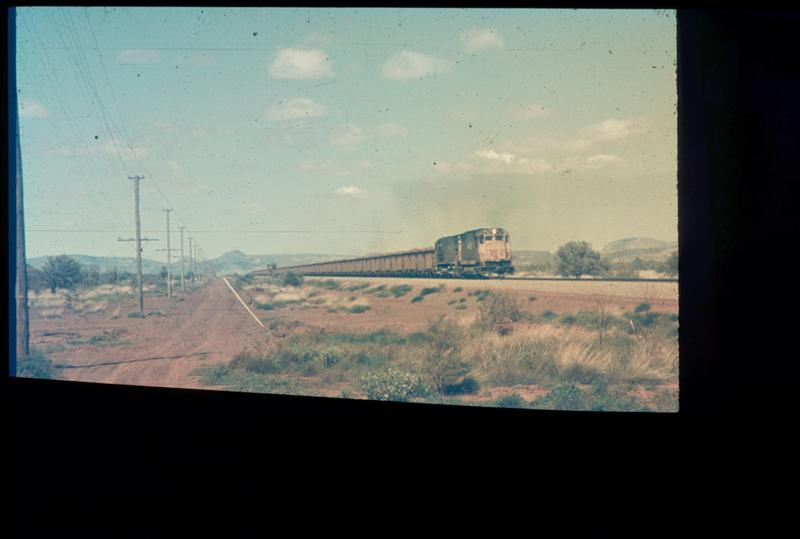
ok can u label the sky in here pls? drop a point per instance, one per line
(345, 131)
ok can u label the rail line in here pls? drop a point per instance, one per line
(483, 278)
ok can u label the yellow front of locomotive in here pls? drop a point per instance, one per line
(494, 250)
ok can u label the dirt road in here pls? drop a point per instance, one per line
(208, 326)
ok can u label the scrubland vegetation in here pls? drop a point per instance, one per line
(584, 360)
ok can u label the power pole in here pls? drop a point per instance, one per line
(191, 281)
(21, 285)
(21, 291)
(169, 259)
(196, 247)
(136, 180)
(183, 285)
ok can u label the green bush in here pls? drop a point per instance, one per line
(457, 289)
(568, 320)
(359, 309)
(511, 401)
(499, 310)
(467, 386)
(641, 308)
(431, 290)
(355, 287)
(34, 365)
(135, 314)
(390, 384)
(328, 284)
(548, 315)
(417, 299)
(400, 290)
(291, 279)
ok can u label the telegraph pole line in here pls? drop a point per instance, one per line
(191, 281)
(183, 285)
(169, 259)
(136, 180)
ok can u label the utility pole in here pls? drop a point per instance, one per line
(21, 290)
(191, 281)
(183, 285)
(169, 259)
(136, 180)
(195, 259)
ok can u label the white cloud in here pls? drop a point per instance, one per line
(513, 163)
(613, 129)
(481, 39)
(351, 191)
(29, 108)
(412, 65)
(299, 64)
(530, 112)
(585, 137)
(137, 56)
(296, 107)
(392, 130)
(118, 147)
(491, 154)
(601, 160)
(352, 137)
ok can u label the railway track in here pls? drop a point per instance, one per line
(559, 279)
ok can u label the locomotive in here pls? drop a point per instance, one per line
(480, 253)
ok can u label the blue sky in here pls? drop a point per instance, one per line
(345, 131)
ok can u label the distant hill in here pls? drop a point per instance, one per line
(643, 248)
(238, 262)
(241, 263)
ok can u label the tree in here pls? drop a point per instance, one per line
(442, 359)
(671, 264)
(62, 272)
(577, 258)
(36, 279)
(90, 276)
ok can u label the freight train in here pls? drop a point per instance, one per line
(483, 252)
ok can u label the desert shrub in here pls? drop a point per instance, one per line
(499, 310)
(597, 398)
(135, 314)
(359, 309)
(510, 401)
(532, 298)
(442, 361)
(548, 315)
(564, 397)
(431, 290)
(467, 386)
(417, 299)
(581, 374)
(460, 307)
(35, 365)
(400, 290)
(255, 363)
(568, 320)
(480, 295)
(452, 302)
(641, 308)
(328, 284)
(355, 287)
(389, 384)
(380, 291)
(522, 362)
(462, 300)
(457, 289)
(291, 279)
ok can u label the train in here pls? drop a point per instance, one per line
(479, 253)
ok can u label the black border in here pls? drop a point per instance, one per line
(738, 145)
